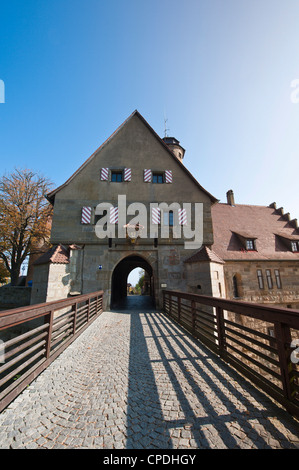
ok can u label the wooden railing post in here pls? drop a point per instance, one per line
(75, 308)
(88, 309)
(193, 314)
(221, 331)
(179, 309)
(170, 312)
(49, 335)
(283, 337)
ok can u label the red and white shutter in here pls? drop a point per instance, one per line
(127, 174)
(113, 215)
(156, 215)
(147, 176)
(168, 176)
(86, 215)
(182, 216)
(104, 174)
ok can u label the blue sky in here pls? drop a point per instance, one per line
(219, 70)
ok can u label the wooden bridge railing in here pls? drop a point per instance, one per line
(32, 337)
(259, 341)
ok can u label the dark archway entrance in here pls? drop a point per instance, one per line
(119, 298)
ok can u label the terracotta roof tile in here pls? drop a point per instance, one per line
(57, 255)
(204, 254)
(263, 223)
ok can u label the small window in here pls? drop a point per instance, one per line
(260, 278)
(250, 245)
(277, 278)
(295, 246)
(269, 279)
(116, 176)
(235, 287)
(158, 178)
(168, 218)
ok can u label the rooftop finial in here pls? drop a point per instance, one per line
(165, 126)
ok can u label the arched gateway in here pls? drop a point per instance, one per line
(120, 276)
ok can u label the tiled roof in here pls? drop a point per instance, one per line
(266, 224)
(58, 254)
(204, 254)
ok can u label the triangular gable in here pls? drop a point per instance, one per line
(204, 254)
(51, 196)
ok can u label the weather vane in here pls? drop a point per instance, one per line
(165, 126)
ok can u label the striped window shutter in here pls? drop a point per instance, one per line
(86, 215)
(182, 217)
(147, 176)
(113, 215)
(168, 176)
(156, 215)
(127, 174)
(104, 174)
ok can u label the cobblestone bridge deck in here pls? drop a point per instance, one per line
(134, 379)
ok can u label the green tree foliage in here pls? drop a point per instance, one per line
(140, 282)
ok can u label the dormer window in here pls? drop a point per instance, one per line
(248, 241)
(250, 244)
(291, 242)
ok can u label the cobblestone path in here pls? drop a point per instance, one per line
(137, 380)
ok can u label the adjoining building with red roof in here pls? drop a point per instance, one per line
(260, 249)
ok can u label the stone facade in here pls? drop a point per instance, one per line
(240, 247)
(14, 296)
(283, 292)
(205, 274)
(51, 282)
(104, 263)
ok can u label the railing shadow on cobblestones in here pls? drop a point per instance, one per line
(170, 371)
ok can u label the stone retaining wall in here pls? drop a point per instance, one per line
(14, 296)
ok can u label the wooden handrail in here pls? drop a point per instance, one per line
(261, 357)
(62, 320)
